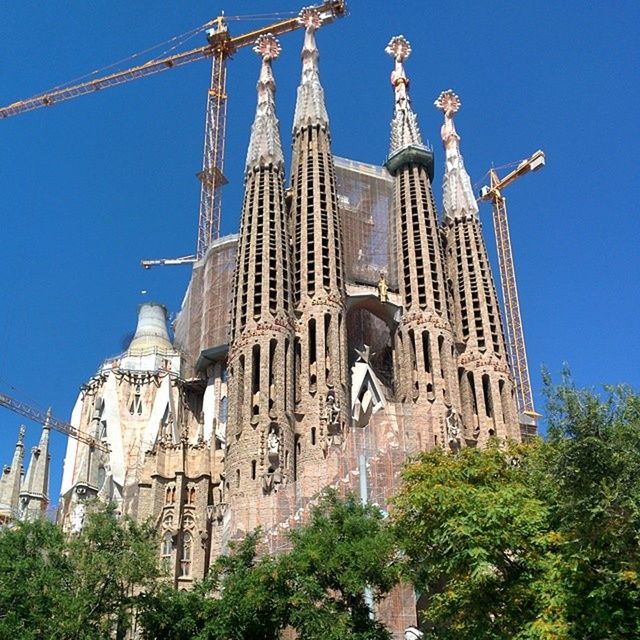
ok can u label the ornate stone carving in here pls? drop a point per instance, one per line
(454, 429)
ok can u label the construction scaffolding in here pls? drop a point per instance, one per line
(365, 197)
(203, 321)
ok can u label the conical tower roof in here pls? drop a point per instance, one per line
(265, 147)
(151, 331)
(458, 200)
(34, 494)
(310, 105)
(10, 480)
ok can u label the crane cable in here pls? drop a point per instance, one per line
(176, 40)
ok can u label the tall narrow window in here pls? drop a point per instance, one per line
(135, 406)
(255, 379)
(472, 388)
(272, 390)
(241, 365)
(253, 469)
(426, 351)
(327, 353)
(312, 356)
(167, 551)
(486, 392)
(187, 550)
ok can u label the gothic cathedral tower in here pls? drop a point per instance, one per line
(319, 286)
(260, 431)
(486, 386)
(424, 338)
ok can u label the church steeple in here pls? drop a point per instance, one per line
(458, 200)
(404, 125)
(426, 364)
(486, 387)
(10, 482)
(34, 494)
(260, 435)
(310, 106)
(319, 286)
(264, 145)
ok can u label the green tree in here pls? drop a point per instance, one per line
(538, 541)
(242, 597)
(345, 549)
(478, 544)
(82, 587)
(316, 588)
(594, 497)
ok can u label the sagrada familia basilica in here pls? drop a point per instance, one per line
(363, 328)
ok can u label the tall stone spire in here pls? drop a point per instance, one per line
(404, 125)
(10, 482)
(264, 145)
(310, 107)
(319, 286)
(486, 387)
(260, 431)
(34, 494)
(457, 194)
(426, 366)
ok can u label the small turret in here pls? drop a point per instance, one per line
(34, 494)
(10, 482)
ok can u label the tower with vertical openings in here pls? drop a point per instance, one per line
(260, 433)
(424, 337)
(486, 385)
(320, 349)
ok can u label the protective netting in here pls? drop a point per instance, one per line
(203, 321)
(368, 464)
(365, 197)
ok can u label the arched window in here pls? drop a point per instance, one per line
(187, 548)
(167, 551)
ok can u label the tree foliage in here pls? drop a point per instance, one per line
(317, 588)
(538, 541)
(80, 587)
(518, 542)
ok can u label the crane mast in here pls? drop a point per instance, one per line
(45, 418)
(513, 318)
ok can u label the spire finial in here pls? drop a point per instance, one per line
(404, 126)
(399, 49)
(458, 200)
(264, 146)
(310, 18)
(21, 433)
(449, 103)
(310, 107)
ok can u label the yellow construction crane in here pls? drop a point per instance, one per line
(46, 419)
(221, 45)
(515, 334)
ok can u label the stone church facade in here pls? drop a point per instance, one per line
(346, 327)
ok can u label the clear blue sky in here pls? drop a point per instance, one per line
(91, 186)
